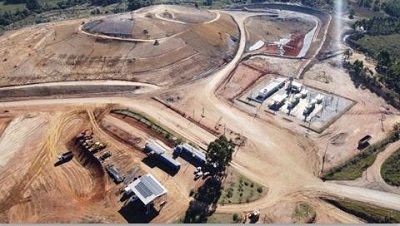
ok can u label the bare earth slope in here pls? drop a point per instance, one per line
(63, 52)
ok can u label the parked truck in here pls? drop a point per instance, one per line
(66, 156)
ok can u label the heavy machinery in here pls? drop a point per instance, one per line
(114, 173)
(96, 147)
(104, 156)
(66, 156)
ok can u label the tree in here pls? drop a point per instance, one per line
(384, 61)
(351, 14)
(358, 67)
(32, 5)
(134, 4)
(219, 154)
(208, 2)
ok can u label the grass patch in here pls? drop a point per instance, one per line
(371, 214)
(354, 167)
(10, 7)
(239, 189)
(216, 218)
(374, 44)
(390, 170)
(175, 139)
(304, 213)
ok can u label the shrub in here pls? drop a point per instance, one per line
(235, 217)
(259, 189)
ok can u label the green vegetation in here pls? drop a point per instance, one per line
(213, 191)
(239, 189)
(380, 39)
(216, 218)
(390, 170)
(219, 155)
(373, 45)
(354, 167)
(392, 8)
(304, 213)
(371, 214)
(204, 203)
(172, 137)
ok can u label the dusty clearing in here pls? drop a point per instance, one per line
(62, 52)
(277, 153)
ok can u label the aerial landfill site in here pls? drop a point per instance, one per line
(184, 114)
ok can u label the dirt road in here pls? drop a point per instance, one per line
(275, 157)
(372, 177)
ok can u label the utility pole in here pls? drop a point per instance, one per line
(382, 118)
(337, 104)
(323, 158)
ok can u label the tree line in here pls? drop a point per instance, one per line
(380, 25)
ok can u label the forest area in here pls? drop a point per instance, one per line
(379, 37)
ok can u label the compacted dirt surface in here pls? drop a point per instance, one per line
(282, 156)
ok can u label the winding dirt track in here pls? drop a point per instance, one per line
(372, 177)
(277, 158)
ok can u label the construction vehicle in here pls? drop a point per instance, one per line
(104, 156)
(96, 147)
(254, 216)
(66, 156)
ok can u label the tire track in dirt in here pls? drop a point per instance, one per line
(48, 151)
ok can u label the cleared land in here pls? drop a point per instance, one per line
(279, 155)
(61, 52)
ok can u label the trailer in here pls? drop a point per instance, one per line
(363, 142)
(169, 161)
(198, 156)
(153, 148)
(66, 156)
(271, 88)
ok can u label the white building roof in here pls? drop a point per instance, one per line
(256, 46)
(153, 146)
(147, 188)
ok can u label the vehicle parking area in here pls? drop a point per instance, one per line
(309, 106)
